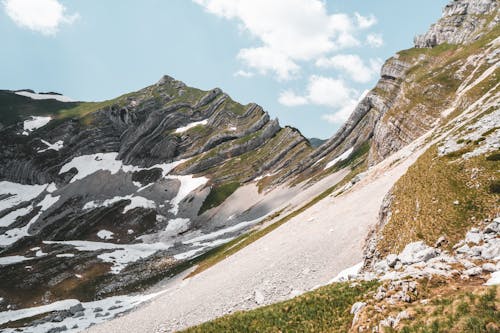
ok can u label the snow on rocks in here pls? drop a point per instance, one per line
(177, 226)
(89, 164)
(191, 125)
(188, 185)
(119, 255)
(72, 314)
(18, 193)
(34, 123)
(55, 146)
(135, 202)
(105, 234)
(342, 157)
(14, 234)
(10, 260)
(31, 95)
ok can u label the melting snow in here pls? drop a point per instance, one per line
(188, 184)
(12, 235)
(220, 232)
(122, 254)
(176, 226)
(34, 123)
(111, 307)
(4, 261)
(65, 255)
(31, 95)
(12, 216)
(56, 146)
(105, 234)
(340, 158)
(19, 193)
(135, 202)
(88, 164)
(191, 125)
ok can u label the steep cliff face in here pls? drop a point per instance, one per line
(419, 87)
(463, 22)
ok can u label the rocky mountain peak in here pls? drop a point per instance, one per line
(462, 22)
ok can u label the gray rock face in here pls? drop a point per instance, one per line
(154, 126)
(460, 23)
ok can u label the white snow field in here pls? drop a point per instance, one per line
(35, 122)
(191, 125)
(307, 251)
(57, 97)
(342, 157)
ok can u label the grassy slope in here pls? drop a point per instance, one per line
(14, 108)
(326, 309)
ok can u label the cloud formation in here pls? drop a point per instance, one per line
(289, 32)
(43, 16)
(353, 66)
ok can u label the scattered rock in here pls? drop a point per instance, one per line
(259, 297)
(488, 267)
(57, 329)
(76, 308)
(392, 259)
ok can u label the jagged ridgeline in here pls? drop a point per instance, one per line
(143, 173)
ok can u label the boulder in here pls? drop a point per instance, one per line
(417, 252)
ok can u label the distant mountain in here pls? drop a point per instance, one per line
(315, 142)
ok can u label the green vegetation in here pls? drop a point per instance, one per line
(458, 312)
(218, 194)
(326, 309)
(441, 196)
(14, 108)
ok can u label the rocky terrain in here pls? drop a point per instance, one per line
(100, 200)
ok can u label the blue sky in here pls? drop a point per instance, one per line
(305, 61)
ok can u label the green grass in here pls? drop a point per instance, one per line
(326, 309)
(14, 108)
(218, 194)
(424, 206)
(459, 313)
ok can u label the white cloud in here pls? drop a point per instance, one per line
(343, 113)
(44, 16)
(374, 40)
(243, 73)
(321, 90)
(365, 22)
(326, 91)
(329, 92)
(289, 98)
(353, 66)
(289, 32)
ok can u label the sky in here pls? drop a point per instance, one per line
(307, 62)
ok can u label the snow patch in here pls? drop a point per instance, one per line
(342, 157)
(19, 193)
(176, 226)
(34, 123)
(89, 164)
(135, 202)
(36, 96)
(65, 255)
(191, 125)
(4, 261)
(188, 185)
(121, 254)
(56, 146)
(105, 234)
(13, 235)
